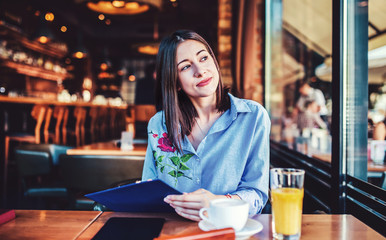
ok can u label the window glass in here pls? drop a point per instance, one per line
(298, 75)
(376, 132)
(298, 52)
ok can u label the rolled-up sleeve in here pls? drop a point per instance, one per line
(253, 187)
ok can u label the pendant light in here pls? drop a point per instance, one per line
(123, 7)
(80, 50)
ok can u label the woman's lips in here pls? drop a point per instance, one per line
(204, 82)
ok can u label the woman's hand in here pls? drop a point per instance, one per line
(188, 205)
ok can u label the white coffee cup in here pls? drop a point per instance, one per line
(224, 213)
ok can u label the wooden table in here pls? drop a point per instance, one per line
(374, 170)
(46, 224)
(108, 148)
(42, 224)
(371, 167)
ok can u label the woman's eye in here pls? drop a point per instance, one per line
(185, 67)
(204, 58)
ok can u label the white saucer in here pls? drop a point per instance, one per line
(251, 227)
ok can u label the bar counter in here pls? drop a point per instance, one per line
(33, 100)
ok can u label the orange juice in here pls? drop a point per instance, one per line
(287, 206)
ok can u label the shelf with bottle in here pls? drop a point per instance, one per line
(33, 71)
(30, 63)
(13, 34)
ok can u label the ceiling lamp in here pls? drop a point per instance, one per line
(43, 33)
(80, 51)
(149, 49)
(123, 7)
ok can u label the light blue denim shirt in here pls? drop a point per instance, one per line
(232, 158)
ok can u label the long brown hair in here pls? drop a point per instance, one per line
(179, 110)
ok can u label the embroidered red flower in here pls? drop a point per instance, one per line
(165, 145)
(155, 135)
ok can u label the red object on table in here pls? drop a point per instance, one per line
(6, 215)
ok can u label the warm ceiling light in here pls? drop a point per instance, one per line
(172, 0)
(37, 13)
(122, 7)
(79, 55)
(118, 4)
(101, 17)
(131, 78)
(49, 16)
(104, 66)
(108, 22)
(43, 39)
(132, 5)
(63, 29)
(149, 49)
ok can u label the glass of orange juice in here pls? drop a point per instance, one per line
(287, 202)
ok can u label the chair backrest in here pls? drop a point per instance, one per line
(38, 113)
(143, 113)
(87, 173)
(32, 163)
(36, 159)
(47, 122)
(58, 115)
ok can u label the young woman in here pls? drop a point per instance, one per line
(205, 142)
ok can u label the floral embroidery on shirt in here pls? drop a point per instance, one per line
(178, 162)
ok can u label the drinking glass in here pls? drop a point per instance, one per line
(287, 202)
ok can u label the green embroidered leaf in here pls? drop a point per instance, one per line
(159, 159)
(155, 154)
(175, 160)
(156, 164)
(172, 173)
(183, 166)
(179, 174)
(187, 177)
(186, 157)
(162, 169)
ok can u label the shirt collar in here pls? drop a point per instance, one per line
(238, 105)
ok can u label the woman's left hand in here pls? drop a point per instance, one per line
(188, 205)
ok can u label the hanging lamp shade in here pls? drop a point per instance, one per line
(80, 50)
(123, 7)
(43, 33)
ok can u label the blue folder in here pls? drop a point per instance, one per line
(136, 197)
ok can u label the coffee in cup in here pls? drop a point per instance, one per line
(224, 213)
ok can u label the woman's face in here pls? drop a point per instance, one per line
(197, 73)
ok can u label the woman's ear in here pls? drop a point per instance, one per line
(178, 86)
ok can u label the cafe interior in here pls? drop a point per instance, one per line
(77, 82)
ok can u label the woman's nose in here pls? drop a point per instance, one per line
(198, 71)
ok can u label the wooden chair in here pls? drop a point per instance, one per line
(103, 123)
(93, 113)
(78, 130)
(46, 130)
(130, 120)
(58, 115)
(142, 115)
(38, 113)
(64, 125)
(113, 123)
